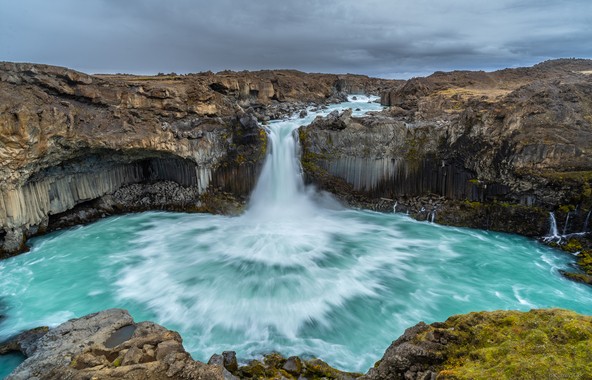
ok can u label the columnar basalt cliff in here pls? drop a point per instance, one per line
(488, 150)
(493, 150)
(75, 147)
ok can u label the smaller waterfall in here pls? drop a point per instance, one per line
(553, 231)
(566, 223)
(585, 229)
(395, 208)
(433, 216)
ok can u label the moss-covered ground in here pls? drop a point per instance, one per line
(540, 344)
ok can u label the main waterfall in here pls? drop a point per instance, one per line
(295, 273)
(280, 189)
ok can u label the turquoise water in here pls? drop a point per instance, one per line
(340, 285)
(296, 273)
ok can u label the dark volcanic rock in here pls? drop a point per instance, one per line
(408, 358)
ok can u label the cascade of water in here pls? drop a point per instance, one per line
(566, 223)
(585, 229)
(280, 192)
(395, 207)
(432, 216)
(280, 189)
(553, 231)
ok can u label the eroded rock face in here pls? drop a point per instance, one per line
(74, 147)
(488, 150)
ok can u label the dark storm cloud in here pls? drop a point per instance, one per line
(384, 38)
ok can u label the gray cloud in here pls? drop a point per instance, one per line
(392, 38)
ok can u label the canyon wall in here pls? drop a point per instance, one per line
(76, 147)
(489, 150)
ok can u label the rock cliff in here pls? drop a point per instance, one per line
(487, 150)
(75, 147)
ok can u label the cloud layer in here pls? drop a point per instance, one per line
(389, 38)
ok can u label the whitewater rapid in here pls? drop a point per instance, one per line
(296, 273)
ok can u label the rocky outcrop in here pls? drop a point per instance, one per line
(509, 145)
(542, 344)
(110, 345)
(75, 147)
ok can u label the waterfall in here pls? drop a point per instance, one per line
(395, 207)
(553, 231)
(280, 188)
(433, 216)
(566, 222)
(280, 192)
(585, 229)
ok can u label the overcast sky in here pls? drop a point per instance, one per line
(386, 38)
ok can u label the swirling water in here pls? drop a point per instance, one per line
(296, 273)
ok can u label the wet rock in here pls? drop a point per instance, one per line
(229, 361)
(77, 350)
(303, 114)
(216, 359)
(25, 342)
(293, 365)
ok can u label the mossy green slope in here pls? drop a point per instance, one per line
(540, 344)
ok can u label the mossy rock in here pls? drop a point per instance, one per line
(272, 368)
(577, 277)
(540, 344)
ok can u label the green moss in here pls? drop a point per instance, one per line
(473, 204)
(274, 360)
(255, 369)
(117, 362)
(566, 208)
(263, 138)
(572, 245)
(585, 260)
(579, 176)
(540, 344)
(318, 369)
